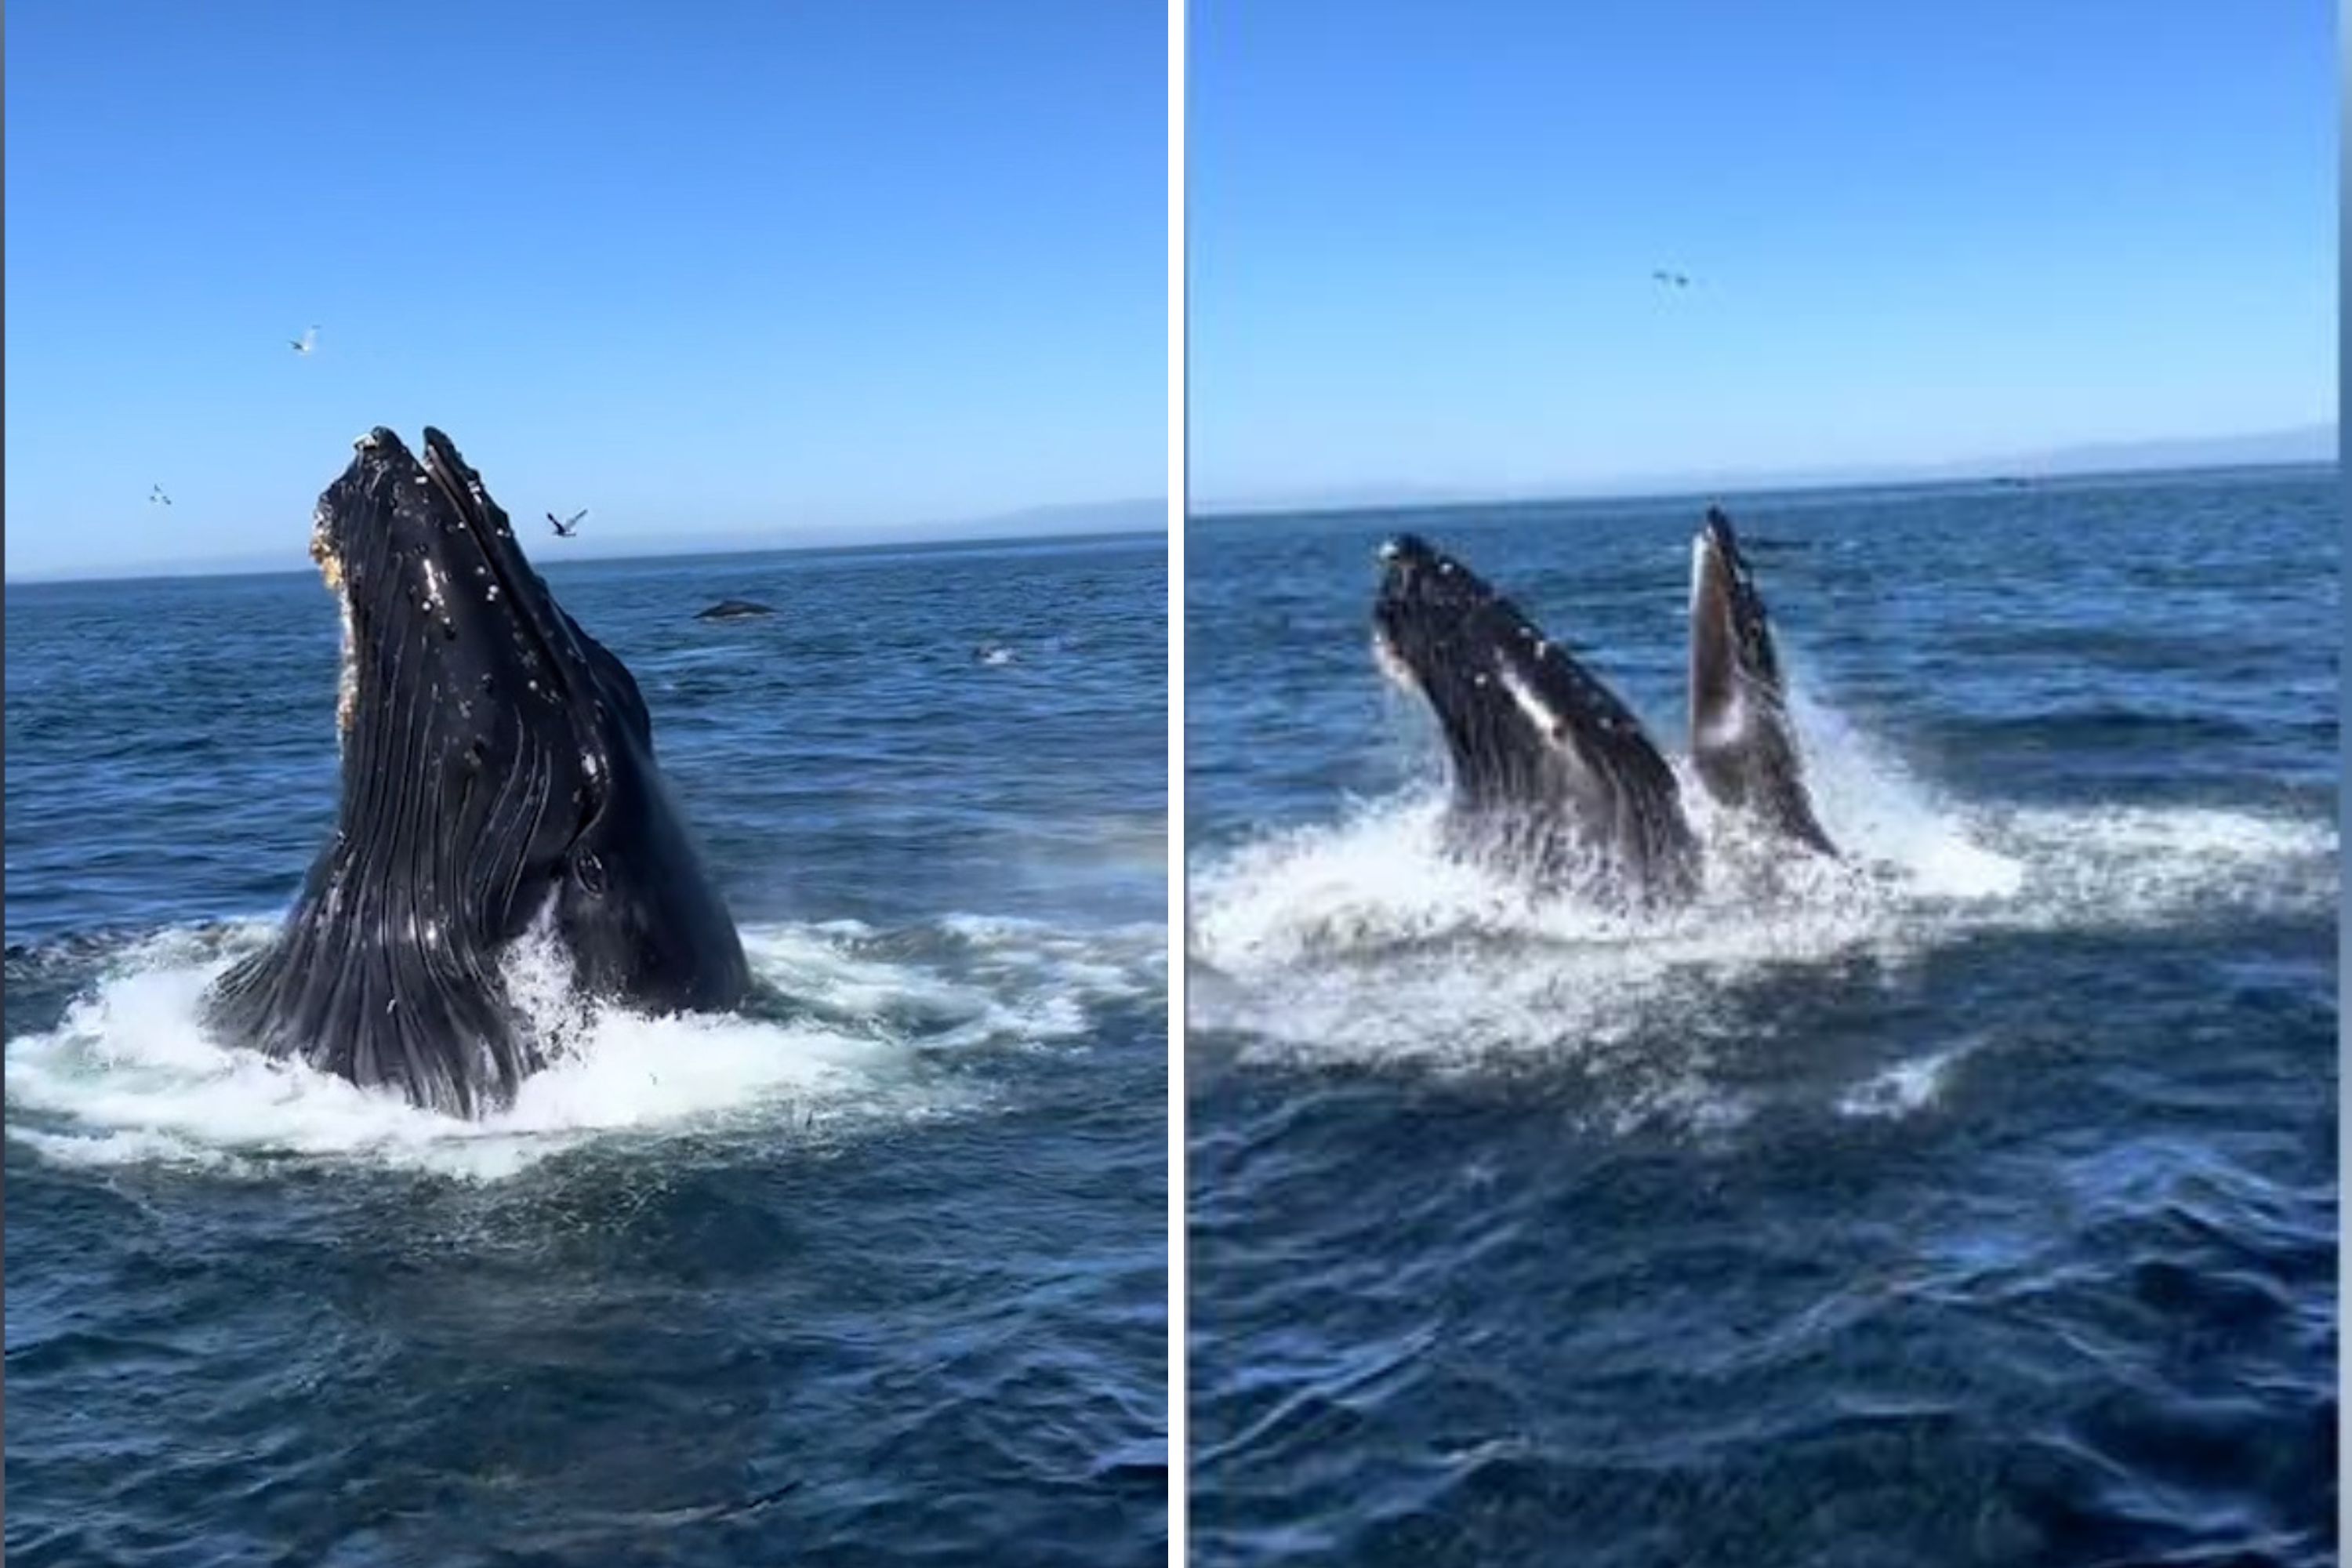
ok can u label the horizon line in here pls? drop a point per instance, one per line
(2276, 446)
(749, 542)
(195, 571)
(1434, 500)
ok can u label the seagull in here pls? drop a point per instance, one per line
(1671, 279)
(156, 496)
(566, 529)
(306, 342)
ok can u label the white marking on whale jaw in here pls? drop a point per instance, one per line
(1559, 735)
(1529, 701)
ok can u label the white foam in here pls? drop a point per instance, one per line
(127, 1077)
(1362, 941)
(1877, 811)
(1903, 1090)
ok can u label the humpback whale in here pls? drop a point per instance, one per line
(733, 610)
(1741, 741)
(498, 779)
(1553, 776)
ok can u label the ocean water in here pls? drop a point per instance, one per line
(1972, 1201)
(878, 1275)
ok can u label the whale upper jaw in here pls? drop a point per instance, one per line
(1552, 773)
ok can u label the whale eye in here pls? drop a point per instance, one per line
(589, 872)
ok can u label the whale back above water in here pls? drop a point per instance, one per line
(497, 780)
(733, 610)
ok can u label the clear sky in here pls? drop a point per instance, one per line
(1422, 235)
(732, 265)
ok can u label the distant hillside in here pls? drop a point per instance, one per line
(2309, 443)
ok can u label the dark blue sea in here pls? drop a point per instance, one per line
(1974, 1201)
(883, 1283)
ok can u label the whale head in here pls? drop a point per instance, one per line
(497, 775)
(1548, 766)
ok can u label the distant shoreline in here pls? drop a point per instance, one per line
(712, 550)
(1735, 488)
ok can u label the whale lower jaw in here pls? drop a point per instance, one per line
(1743, 741)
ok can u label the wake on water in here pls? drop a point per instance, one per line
(853, 1029)
(1361, 942)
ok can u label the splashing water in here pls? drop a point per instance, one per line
(868, 1022)
(1362, 941)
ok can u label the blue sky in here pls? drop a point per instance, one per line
(1420, 234)
(741, 265)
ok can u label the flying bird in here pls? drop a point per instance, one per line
(155, 496)
(306, 342)
(1671, 279)
(566, 529)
